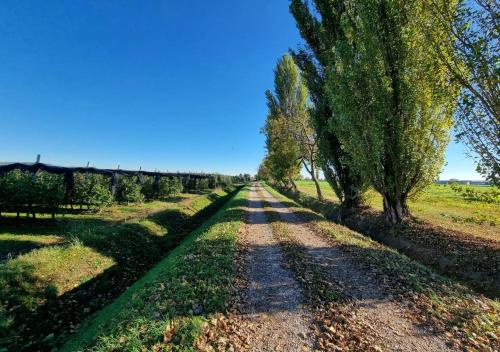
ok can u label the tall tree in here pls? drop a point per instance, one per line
(319, 34)
(392, 99)
(264, 173)
(283, 152)
(288, 125)
(473, 28)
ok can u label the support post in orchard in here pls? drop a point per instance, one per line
(156, 185)
(114, 183)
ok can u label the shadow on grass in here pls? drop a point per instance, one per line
(202, 284)
(471, 259)
(41, 320)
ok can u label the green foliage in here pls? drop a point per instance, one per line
(166, 187)
(128, 190)
(264, 172)
(491, 195)
(167, 307)
(147, 188)
(320, 27)
(392, 99)
(473, 29)
(24, 191)
(16, 189)
(288, 100)
(43, 192)
(91, 190)
(222, 181)
(169, 186)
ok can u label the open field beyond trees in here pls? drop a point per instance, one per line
(438, 204)
(438, 235)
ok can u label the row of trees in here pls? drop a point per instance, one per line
(44, 192)
(370, 98)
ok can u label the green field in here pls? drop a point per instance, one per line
(439, 205)
(45, 263)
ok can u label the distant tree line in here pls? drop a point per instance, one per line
(372, 96)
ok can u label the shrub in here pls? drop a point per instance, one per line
(16, 190)
(91, 190)
(147, 188)
(21, 191)
(128, 190)
(473, 194)
(49, 191)
(169, 186)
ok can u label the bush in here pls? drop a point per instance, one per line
(147, 188)
(91, 190)
(473, 194)
(128, 190)
(50, 191)
(169, 187)
(22, 191)
(166, 187)
(16, 190)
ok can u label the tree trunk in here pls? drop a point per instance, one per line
(395, 209)
(318, 188)
(294, 186)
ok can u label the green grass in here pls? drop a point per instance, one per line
(438, 205)
(59, 257)
(467, 318)
(168, 307)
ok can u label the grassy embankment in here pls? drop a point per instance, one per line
(73, 266)
(467, 319)
(438, 205)
(168, 307)
(454, 247)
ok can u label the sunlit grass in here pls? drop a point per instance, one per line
(50, 258)
(439, 205)
(168, 307)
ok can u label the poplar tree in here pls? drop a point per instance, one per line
(319, 33)
(289, 122)
(393, 101)
(283, 153)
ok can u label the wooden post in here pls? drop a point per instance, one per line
(114, 183)
(156, 185)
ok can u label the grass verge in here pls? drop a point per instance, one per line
(472, 259)
(438, 205)
(167, 308)
(469, 320)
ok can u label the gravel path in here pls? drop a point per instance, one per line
(273, 310)
(375, 305)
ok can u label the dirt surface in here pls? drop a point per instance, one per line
(373, 303)
(273, 310)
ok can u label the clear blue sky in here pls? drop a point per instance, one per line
(171, 85)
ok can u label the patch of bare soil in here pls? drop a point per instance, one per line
(374, 306)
